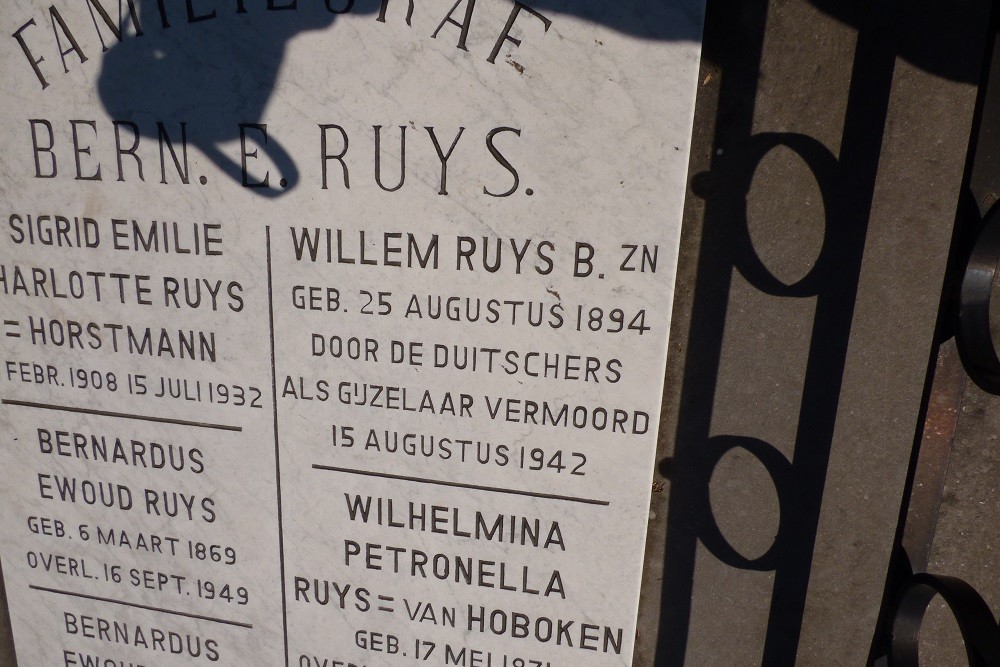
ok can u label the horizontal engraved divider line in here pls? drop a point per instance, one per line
(461, 485)
(123, 603)
(122, 415)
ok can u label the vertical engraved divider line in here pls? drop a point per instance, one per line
(277, 454)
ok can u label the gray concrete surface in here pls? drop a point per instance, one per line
(747, 362)
(966, 543)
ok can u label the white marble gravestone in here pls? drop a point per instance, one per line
(334, 333)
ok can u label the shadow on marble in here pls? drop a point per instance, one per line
(205, 76)
(225, 65)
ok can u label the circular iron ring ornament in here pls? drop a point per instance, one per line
(975, 620)
(975, 340)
